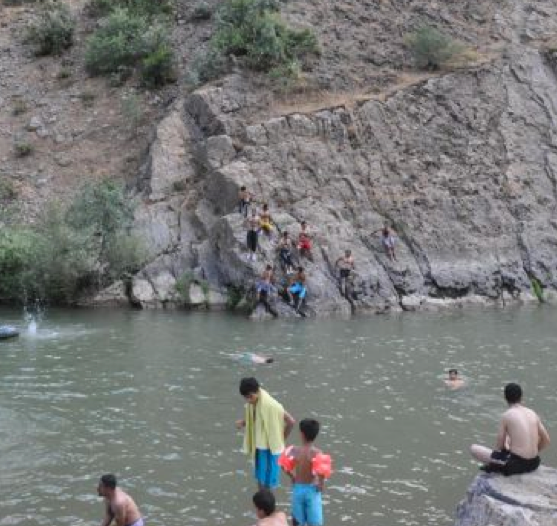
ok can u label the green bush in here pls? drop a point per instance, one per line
(22, 148)
(157, 67)
(126, 40)
(7, 190)
(143, 7)
(202, 11)
(537, 289)
(431, 49)
(206, 66)
(53, 30)
(117, 44)
(71, 249)
(254, 31)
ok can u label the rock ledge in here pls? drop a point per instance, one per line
(520, 500)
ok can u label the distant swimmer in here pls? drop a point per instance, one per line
(520, 438)
(265, 509)
(256, 359)
(454, 381)
(120, 507)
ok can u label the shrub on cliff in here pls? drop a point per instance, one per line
(52, 32)
(143, 7)
(117, 44)
(71, 249)
(430, 49)
(127, 40)
(254, 32)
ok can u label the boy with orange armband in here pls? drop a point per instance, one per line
(308, 468)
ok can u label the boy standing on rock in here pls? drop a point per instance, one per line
(520, 438)
(251, 238)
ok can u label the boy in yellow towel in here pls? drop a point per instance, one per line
(267, 425)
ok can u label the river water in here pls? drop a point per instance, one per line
(153, 396)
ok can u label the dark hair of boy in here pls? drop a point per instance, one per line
(513, 393)
(264, 500)
(309, 427)
(248, 386)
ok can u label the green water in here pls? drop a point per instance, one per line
(152, 396)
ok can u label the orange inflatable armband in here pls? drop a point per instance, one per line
(321, 465)
(286, 461)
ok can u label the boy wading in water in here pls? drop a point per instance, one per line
(267, 425)
(120, 507)
(520, 438)
(299, 462)
(265, 509)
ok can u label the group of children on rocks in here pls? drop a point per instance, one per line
(266, 426)
(295, 289)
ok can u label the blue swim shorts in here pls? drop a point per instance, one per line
(299, 289)
(267, 471)
(307, 507)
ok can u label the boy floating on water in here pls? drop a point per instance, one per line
(267, 425)
(307, 467)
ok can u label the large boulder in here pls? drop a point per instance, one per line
(520, 500)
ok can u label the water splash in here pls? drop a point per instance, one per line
(32, 327)
(33, 315)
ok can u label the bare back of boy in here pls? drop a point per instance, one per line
(123, 509)
(278, 518)
(303, 473)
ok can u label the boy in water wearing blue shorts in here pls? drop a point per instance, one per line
(299, 462)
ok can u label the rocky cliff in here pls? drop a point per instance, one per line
(461, 162)
(523, 500)
(463, 165)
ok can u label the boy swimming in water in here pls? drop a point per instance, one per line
(255, 359)
(453, 381)
(307, 506)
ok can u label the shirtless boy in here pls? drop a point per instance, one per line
(453, 381)
(120, 507)
(346, 265)
(307, 507)
(265, 509)
(520, 438)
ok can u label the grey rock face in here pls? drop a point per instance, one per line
(463, 166)
(520, 500)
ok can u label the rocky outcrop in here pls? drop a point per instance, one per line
(520, 500)
(462, 165)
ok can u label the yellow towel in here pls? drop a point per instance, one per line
(270, 414)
